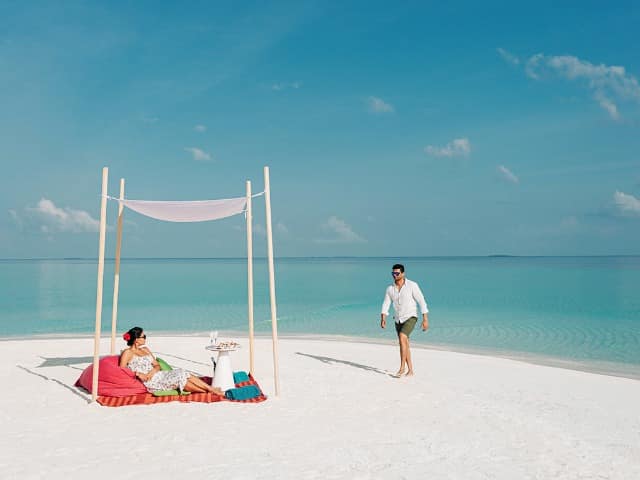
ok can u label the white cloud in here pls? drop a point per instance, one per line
(259, 229)
(339, 231)
(569, 223)
(49, 218)
(17, 219)
(200, 128)
(566, 227)
(459, 147)
(507, 174)
(282, 228)
(198, 154)
(377, 105)
(608, 84)
(66, 219)
(608, 105)
(285, 86)
(508, 56)
(627, 203)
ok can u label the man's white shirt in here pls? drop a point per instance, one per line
(404, 301)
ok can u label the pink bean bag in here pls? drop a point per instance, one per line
(113, 381)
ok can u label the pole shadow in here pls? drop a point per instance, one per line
(165, 355)
(64, 362)
(329, 360)
(73, 390)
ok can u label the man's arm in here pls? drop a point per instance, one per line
(425, 322)
(419, 297)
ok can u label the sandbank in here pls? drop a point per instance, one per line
(340, 414)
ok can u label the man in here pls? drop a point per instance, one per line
(404, 294)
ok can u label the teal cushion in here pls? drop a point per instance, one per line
(239, 377)
(242, 393)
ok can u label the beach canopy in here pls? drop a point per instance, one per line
(185, 211)
(189, 211)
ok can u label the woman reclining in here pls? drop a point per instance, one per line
(140, 359)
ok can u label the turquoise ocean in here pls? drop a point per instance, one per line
(580, 312)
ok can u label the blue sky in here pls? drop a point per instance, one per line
(394, 130)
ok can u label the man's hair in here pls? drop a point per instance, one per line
(398, 266)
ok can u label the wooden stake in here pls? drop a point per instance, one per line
(116, 278)
(96, 340)
(250, 276)
(272, 286)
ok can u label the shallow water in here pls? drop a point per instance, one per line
(577, 309)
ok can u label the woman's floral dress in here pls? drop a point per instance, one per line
(162, 380)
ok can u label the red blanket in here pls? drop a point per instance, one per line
(119, 386)
(148, 398)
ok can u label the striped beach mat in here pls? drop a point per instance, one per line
(147, 398)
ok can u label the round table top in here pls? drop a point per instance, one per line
(227, 346)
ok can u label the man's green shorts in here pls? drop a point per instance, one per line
(407, 326)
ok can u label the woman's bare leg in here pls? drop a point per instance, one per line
(194, 384)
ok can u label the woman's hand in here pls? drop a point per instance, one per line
(145, 377)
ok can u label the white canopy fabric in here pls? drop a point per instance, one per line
(187, 211)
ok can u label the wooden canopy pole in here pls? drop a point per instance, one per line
(96, 339)
(272, 286)
(250, 276)
(116, 279)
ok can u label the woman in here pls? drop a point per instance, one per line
(140, 359)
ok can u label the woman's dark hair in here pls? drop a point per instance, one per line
(398, 266)
(134, 333)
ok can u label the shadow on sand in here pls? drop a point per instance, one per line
(330, 360)
(64, 362)
(73, 390)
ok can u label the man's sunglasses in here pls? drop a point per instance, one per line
(395, 274)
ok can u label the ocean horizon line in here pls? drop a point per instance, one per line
(318, 257)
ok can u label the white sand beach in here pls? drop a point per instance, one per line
(340, 415)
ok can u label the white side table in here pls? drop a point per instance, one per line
(222, 369)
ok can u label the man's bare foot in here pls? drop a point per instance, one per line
(409, 373)
(399, 373)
